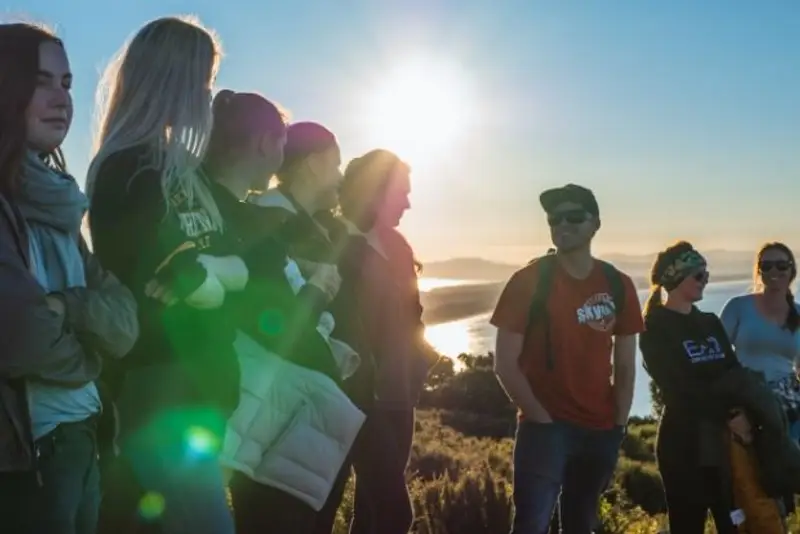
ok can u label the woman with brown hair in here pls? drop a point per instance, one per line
(286, 441)
(684, 351)
(715, 414)
(377, 258)
(60, 312)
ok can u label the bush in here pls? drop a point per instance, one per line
(642, 484)
(460, 469)
(462, 485)
(640, 444)
(475, 389)
(618, 515)
(474, 501)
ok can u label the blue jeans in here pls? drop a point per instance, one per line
(170, 451)
(563, 459)
(183, 493)
(65, 497)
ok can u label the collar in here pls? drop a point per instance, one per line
(371, 237)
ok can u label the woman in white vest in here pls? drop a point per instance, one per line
(294, 426)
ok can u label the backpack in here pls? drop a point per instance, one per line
(537, 312)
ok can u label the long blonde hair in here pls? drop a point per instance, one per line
(156, 92)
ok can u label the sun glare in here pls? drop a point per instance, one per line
(419, 108)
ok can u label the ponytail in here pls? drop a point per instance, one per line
(240, 118)
(221, 101)
(792, 317)
(653, 300)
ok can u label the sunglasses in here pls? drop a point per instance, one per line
(569, 217)
(781, 265)
(701, 277)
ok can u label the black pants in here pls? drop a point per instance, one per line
(687, 513)
(691, 491)
(379, 458)
(260, 509)
(65, 495)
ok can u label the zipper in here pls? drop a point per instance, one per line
(37, 452)
(37, 456)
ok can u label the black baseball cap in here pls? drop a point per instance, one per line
(577, 194)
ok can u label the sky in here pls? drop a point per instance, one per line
(682, 116)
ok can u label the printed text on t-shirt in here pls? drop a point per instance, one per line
(598, 312)
(705, 351)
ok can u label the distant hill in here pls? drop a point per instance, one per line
(725, 264)
(468, 269)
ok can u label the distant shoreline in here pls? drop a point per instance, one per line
(458, 302)
(642, 282)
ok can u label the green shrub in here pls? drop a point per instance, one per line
(642, 484)
(476, 501)
(637, 446)
(460, 469)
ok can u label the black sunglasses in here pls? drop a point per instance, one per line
(768, 265)
(569, 217)
(701, 276)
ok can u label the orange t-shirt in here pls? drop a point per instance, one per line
(582, 325)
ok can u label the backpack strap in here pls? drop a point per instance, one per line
(537, 311)
(616, 286)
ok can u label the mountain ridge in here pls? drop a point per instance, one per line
(721, 261)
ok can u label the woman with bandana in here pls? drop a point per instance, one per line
(684, 351)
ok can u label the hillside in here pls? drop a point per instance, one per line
(723, 264)
(460, 470)
(469, 269)
(450, 303)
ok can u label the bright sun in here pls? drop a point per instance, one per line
(418, 109)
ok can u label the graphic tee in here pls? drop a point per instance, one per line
(583, 323)
(684, 354)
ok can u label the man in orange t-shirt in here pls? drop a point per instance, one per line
(573, 402)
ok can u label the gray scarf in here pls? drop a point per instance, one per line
(53, 206)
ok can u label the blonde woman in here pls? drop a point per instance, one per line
(764, 326)
(155, 225)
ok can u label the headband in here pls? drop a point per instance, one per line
(686, 264)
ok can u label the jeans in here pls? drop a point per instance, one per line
(563, 459)
(168, 474)
(64, 497)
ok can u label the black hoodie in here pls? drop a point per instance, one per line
(133, 231)
(268, 309)
(324, 239)
(684, 354)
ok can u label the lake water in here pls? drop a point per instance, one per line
(475, 334)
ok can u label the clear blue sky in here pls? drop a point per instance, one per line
(683, 116)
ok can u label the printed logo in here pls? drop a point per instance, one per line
(705, 351)
(598, 312)
(195, 223)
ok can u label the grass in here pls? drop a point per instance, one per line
(460, 471)
(462, 485)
